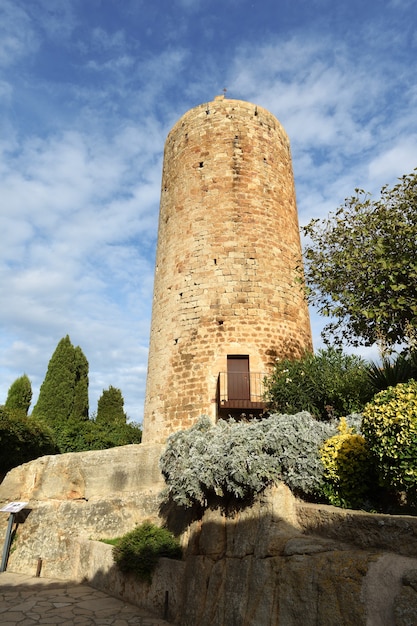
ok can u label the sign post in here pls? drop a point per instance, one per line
(12, 508)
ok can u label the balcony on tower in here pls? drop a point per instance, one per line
(240, 392)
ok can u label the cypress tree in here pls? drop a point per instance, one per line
(80, 406)
(63, 394)
(110, 408)
(19, 395)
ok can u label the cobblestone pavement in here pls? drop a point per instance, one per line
(27, 601)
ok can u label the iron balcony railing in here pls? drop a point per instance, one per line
(241, 390)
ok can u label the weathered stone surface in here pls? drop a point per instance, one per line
(280, 562)
(97, 494)
(396, 533)
(405, 605)
(82, 475)
(267, 572)
(228, 243)
(384, 591)
(162, 596)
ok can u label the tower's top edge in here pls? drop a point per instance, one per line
(221, 105)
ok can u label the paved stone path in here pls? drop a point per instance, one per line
(27, 601)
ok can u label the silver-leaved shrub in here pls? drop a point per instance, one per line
(241, 458)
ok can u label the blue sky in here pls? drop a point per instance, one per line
(88, 92)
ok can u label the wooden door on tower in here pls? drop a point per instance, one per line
(238, 382)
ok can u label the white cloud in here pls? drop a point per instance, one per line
(116, 64)
(80, 177)
(103, 40)
(55, 18)
(399, 159)
(17, 36)
(79, 211)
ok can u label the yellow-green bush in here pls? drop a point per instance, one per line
(390, 427)
(347, 467)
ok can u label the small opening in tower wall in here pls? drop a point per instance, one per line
(220, 322)
(176, 341)
(201, 164)
(215, 261)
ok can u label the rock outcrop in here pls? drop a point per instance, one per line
(93, 495)
(278, 562)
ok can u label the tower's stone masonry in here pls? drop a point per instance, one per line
(228, 245)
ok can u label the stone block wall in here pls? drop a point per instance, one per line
(278, 562)
(228, 246)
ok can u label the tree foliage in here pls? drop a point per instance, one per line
(62, 412)
(110, 407)
(391, 371)
(19, 395)
(76, 436)
(63, 394)
(328, 384)
(22, 439)
(361, 266)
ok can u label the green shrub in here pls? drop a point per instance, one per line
(390, 372)
(19, 395)
(348, 468)
(138, 551)
(328, 384)
(22, 439)
(390, 427)
(77, 436)
(239, 459)
(111, 542)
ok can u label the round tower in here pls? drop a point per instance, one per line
(227, 303)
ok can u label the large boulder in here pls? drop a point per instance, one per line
(95, 494)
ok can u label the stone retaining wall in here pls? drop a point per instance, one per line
(279, 562)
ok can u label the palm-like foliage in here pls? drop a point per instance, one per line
(392, 371)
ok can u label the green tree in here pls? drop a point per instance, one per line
(22, 439)
(19, 396)
(110, 408)
(327, 384)
(361, 267)
(110, 425)
(63, 394)
(80, 405)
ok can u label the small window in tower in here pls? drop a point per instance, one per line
(201, 164)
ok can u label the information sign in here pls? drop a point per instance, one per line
(14, 507)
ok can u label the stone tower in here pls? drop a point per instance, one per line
(226, 302)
